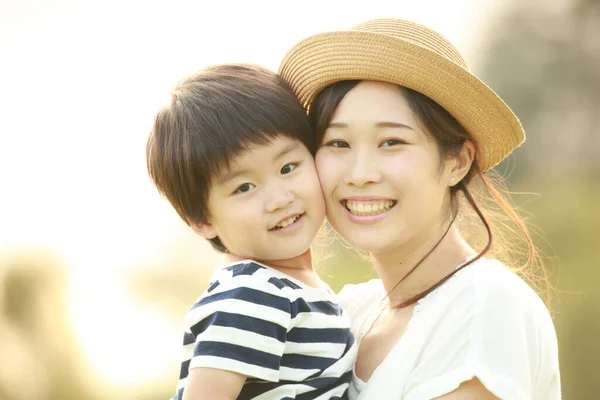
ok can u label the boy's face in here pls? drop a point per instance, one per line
(268, 205)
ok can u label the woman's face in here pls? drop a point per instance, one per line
(384, 183)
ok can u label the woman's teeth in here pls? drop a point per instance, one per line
(287, 222)
(369, 207)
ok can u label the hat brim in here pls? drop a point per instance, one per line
(323, 59)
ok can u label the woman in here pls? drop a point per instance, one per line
(406, 135)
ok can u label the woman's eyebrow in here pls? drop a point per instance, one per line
(390, 124)
(382, 124)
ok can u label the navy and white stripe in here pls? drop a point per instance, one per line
(290, 340)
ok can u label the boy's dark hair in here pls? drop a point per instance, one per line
(214, 115)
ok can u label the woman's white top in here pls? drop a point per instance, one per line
(484, 322)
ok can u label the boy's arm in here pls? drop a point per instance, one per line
(213, 384)
(236, 330)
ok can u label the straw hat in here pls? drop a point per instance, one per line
(410, 55)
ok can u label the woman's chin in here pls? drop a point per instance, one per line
(365, 242)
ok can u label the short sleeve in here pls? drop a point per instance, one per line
(239, 325)
(496, 329)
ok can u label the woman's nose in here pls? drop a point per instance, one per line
(362, 170)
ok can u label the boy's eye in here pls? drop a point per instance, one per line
(287, 168)
(392, 142)
(338, 144)
(246, 187)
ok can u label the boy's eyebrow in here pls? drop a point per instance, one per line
(287, 149)
(231, 175)
(235, 173)
(382, 124)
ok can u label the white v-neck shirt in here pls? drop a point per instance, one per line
(484, 322)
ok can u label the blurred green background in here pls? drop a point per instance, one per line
(543, 60)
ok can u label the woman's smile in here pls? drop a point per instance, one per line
(368, 207)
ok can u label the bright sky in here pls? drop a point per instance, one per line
(80, 81)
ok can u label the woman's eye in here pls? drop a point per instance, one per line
(338, 144)
(392, 142)
(246, 187)
(287, 168)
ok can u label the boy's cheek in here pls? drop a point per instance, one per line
(312, 186)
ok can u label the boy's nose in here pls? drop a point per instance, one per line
(280, 198)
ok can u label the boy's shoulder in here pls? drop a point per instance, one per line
(249, 272)
(253, 283)
(241, 290)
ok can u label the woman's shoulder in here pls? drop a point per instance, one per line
(490, 281)
(361, 292)
(488, 322)
(359, 297)
(493, 291)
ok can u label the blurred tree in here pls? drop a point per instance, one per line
(544, 61)
(40, 358)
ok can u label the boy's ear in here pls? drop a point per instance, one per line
(206, 230)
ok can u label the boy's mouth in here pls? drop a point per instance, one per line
(286, 222)
(368, 207)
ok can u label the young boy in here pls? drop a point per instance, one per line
(233, 155)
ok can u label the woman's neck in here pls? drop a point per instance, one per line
(392, 266)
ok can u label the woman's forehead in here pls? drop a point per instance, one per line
(373, 103)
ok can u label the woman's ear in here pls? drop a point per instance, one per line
(462, 163)
(206, 230)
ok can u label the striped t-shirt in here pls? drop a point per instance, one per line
(291, 340)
